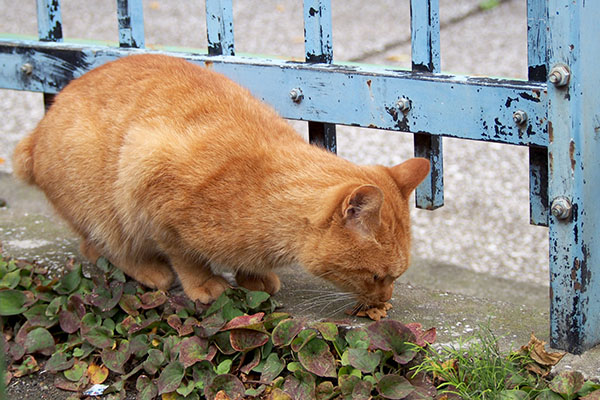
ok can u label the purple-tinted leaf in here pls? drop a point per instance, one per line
(203, 372)
(59, 362)
(106, 299)
(246, 339)
(223, 342)
(147, 390)
(271, 320)
(246, 368)
(16, 351)
(286, 331)
(99, 336)
(36, 316)
(170, 377)
(89, 321)
(230, 384)
(116, 359)
(394, 387)
(567, 383)
(316, 358)
(130, 303)
(153, 299)
(210, 325)
(69, 321)
(363, 359)
(181, 302)
(64, 384)
(246, 322)
(192, 350)
(422, 337)
(301, 386)
(145, 323)
(324, 391)
(154, 361)
(139, 345)
(362, 390)
(391, 335)
(39, 340)
(595, 395)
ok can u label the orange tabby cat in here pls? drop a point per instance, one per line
(167, 168)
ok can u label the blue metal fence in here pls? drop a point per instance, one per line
(555, 113)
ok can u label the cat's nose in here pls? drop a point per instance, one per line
(386, 295)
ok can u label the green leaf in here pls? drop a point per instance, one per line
(99, 336)
(358, 338)
(154, 361)
(301, 386)
(394, 387)
(286, 331)
(11, 280)
(362, 390)
(12, 302)
(76, 372)
(328, 330)
(272, 368)
(230, 384)
(151, 300)
(103, 264)
(514, 394)
(194, 349)
(324, 391)
(147, 390)
(488, 4)
(316, 358)
(256, 298)
(224, 367)
(364, 360)
(59, 362)
(186, 389)
(170, 377)
(595, 395)
(303, 337)
(39, 340)
(391, 335)
(246, 339)
(69, 282)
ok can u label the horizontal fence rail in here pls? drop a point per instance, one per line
(447, 105)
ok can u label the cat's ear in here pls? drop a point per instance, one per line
(361, 209)
(409, 174)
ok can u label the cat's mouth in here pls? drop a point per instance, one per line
(375, 312)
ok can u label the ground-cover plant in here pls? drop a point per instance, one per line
(475, 368)
(108, 330)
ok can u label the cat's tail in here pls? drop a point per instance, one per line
(23, 159)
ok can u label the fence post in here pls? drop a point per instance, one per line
(219, 27)
(131, 23)
(425, 42)
(318, 47)
(49, 30)
(537, 57)
(574, 173)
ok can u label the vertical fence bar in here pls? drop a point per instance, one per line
(219, 27)
(49, 30)
(425, 41)
(537, 17)
(318, 47)
(574, 173)
(131, 23)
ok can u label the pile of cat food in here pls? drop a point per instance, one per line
(373, 312)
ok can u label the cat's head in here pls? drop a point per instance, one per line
(364, 245)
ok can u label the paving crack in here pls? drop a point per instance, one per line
(479, 9)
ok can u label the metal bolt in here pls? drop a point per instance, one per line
(27, 68)
(296, 95)
(520, 117)
(561, 208)
(403, 104)
(559, 75)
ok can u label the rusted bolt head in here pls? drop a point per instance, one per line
(27, 68)
(403, 104)
(559, 75)
(296, 95)
(561, 208)
(520, 117)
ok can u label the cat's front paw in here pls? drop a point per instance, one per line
(209, 291)
(269, 282)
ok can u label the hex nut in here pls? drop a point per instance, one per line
(559, 75)
(561, 208)
(296, 95)
(520, 117)
(403, 104)
(27, 68)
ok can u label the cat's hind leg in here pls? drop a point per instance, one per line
(268, 282)
(89, 251)
(198, 280)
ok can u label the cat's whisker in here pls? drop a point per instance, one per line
(326, 303)
(337, 310)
